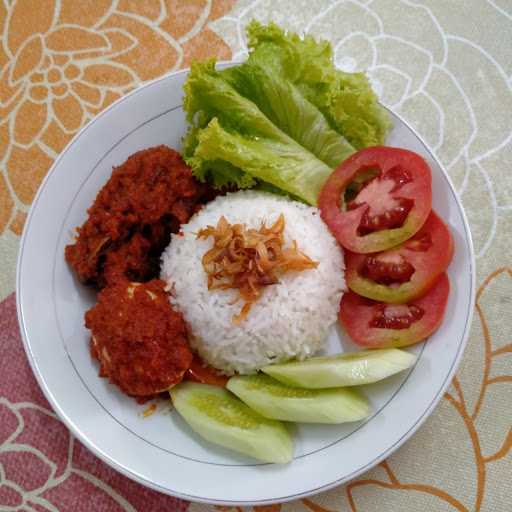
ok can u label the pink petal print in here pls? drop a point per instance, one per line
(9, 497)
(38, 507)
(141, 498)
(17, 383)
(79, 494)
(8, 422)
(48, 435)
(25, 469)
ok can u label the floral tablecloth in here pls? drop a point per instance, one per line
(444, 65)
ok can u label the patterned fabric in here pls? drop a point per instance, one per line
(445, 66)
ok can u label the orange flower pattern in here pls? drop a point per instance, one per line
(63, 62)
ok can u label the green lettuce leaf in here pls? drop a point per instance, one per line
(210, 95)
(282, 164)
(285, 106)
(285, 117)
(346, 99)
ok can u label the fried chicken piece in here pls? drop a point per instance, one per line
(128, 261)
(153, 191)
(138, 338)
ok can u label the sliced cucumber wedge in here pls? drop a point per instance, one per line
(349, 369)
(278, 401)
(221, 418)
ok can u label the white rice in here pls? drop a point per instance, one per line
(290, 320)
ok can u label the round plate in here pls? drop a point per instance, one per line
(160, 451)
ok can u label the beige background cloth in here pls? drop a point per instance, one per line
(444, 65)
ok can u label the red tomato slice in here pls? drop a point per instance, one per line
(199, 372)
(406, 272)
(388, 209)
(378, 325)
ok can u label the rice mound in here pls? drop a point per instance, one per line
(290, 320)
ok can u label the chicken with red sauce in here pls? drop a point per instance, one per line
(139, 340)
(130, 222)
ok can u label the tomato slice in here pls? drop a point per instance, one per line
(388, 209)
(374, 324)
(406, 272)
(199, 372)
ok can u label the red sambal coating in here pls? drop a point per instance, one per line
(138, 338)
(152, 193)
(131, 260)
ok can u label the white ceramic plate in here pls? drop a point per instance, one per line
(161, 451)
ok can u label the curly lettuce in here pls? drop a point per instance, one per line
(281, 163)
(284, 118)
(346, 99)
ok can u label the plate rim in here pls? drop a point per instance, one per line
(74, 429)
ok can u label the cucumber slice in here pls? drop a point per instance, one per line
(223, 419)
(279, 401)
(350, 369)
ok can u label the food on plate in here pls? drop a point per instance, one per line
(133, 259)
(200, 372)
(405, 272)
(347, 369)
(149, 411)
(291, 319)
(286, 116)
(387, 209)
(249, 259)
(223, 419)
(279, 401)
(282, 163)
(148, 196)
(377, 324)
(138, 338)
(252, 281)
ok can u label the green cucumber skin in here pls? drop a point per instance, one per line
(261, 438)
(275, 400)
(342, 370)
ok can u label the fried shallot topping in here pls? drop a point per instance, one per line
(249, 259)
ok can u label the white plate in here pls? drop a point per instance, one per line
(160, 451)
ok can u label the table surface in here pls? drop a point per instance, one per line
(444, 65)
